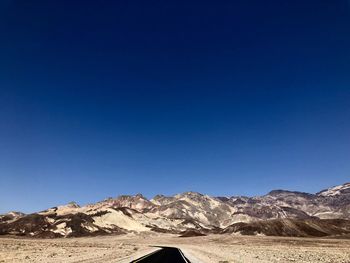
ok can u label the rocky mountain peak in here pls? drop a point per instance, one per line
(72, 204)
(280, 192)
(158, 197)
(190, 194)
(335, 191)
(140, 196)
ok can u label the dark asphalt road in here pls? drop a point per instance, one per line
(165, 255)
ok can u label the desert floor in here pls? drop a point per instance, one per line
(214, 248)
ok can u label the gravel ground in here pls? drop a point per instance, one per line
(209, 249)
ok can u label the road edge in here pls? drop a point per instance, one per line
(189, 255)
(139, 254)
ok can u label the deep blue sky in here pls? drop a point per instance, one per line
(101, 98)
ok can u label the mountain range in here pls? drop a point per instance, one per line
(278, 213)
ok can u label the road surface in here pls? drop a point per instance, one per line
(165, 255)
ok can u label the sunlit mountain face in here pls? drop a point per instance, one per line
(280, 213)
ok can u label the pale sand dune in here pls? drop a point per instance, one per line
(209, 249)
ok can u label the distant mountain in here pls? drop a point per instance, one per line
(336, 190)
(280, 212)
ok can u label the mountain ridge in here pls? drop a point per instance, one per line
(191, 212)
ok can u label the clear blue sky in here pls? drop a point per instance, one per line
(101, 98)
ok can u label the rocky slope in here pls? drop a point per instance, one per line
(293, 227)
(280, 212)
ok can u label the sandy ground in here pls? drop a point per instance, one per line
(215, 248)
